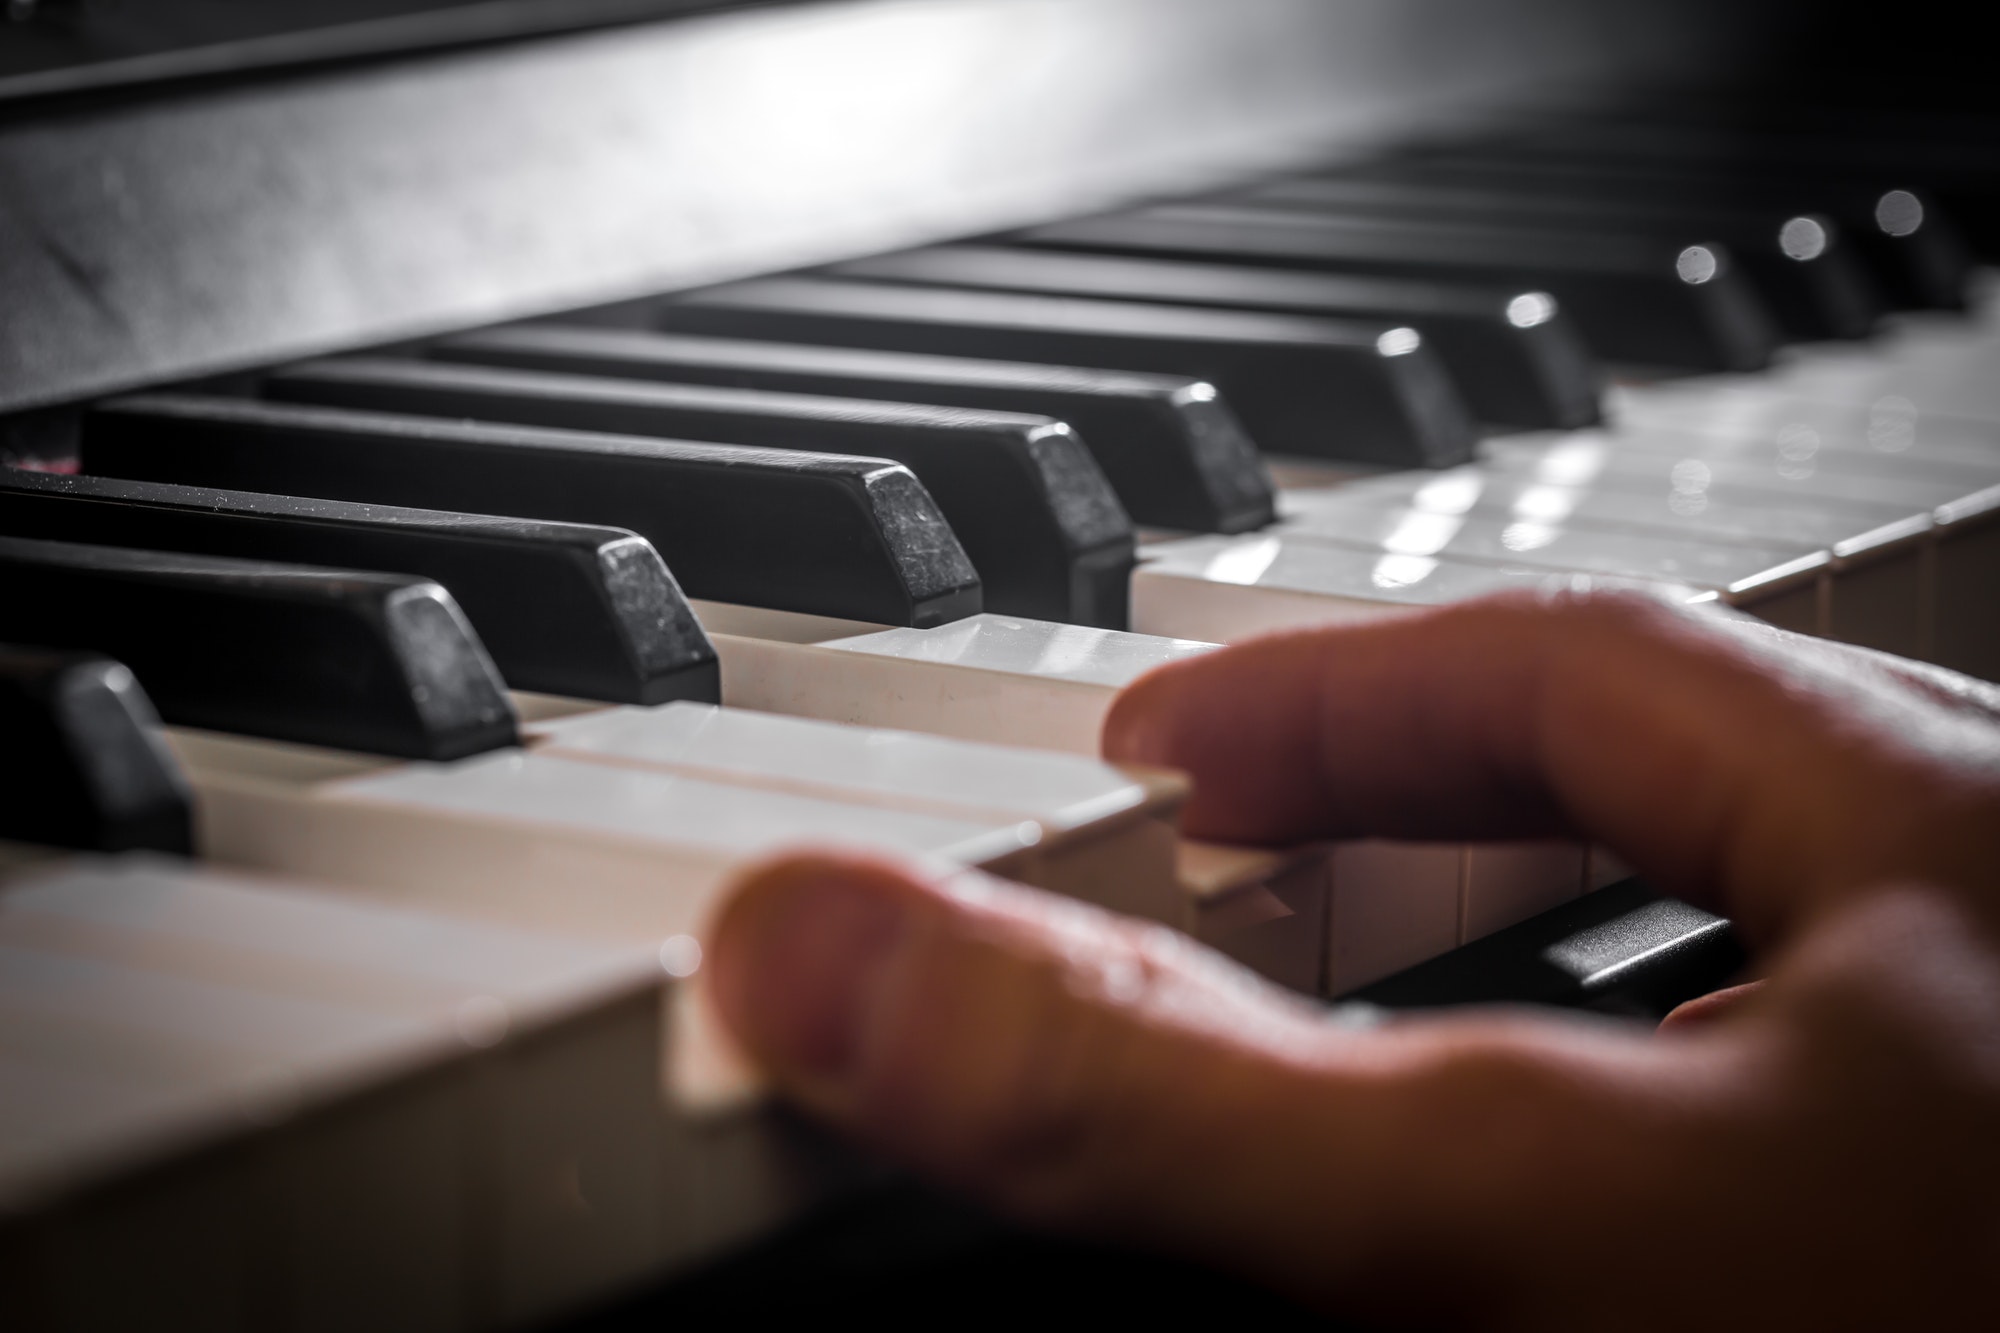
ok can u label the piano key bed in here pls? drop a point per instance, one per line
(482, 662)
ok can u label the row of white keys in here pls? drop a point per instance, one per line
(1035, 683)
(1879, 578)
(621, 825)
(233, 1103)
(1019, 683)
(626, 829)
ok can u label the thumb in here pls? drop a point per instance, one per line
(1074, 1067)
(1094, 1073)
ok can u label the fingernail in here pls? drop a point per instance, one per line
(800, 968)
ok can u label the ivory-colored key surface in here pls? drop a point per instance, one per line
(986, 678)
(588, 842)
(1225, 589)
(1036, 683)
(1025, 683)
(240, 1095)
(1071, 812)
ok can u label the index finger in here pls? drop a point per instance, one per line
(1720, 758)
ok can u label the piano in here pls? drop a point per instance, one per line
(477, 473)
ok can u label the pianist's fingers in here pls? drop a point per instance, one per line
(1820, 1156)
(1723, 758)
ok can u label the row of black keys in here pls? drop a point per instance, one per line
(865, 365)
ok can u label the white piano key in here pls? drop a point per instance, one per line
(1082, 811)
(1225, 589)
(1266, 909)
(1965, 632)
(1878, 578)
(1704, 467)
(1755, 520)
(903, 769)
(540, 1053)
(1506, 883)
(1603, 868)
(986, 678)
(1890, 428)
(1543, 543)
(1393, 905)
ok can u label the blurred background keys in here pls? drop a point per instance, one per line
(1516, 357)
(1170, 446)
(378, 663)
(1316, 387)
(1800, 263)
(855, 538)
(564, 608)
(1914, 250)
(83, 766)
(1039, 521)
(1637, 300)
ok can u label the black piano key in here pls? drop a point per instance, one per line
(1914, 249)
(1622, 949)
(563, 608)
(1169, 444)
(1802, 264)
(1039, 521)
(854, 538)
(379, 663)
(1322, 388)
(84, 768)
(1517, 358)
(1636, 300)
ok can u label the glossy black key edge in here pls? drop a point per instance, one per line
(1029, 503)
(1623, 949)
(564, 608)
(1516, 357)
(852, 538)
(1804, 266)
(84, 767)
(376, 663)
(1691, 311)
(1916, 250)
(1343, 389)
(1172, 448)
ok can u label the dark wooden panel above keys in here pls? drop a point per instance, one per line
(1636, 300)
(1802, 263)
(564, 608)
(378, 663)
(1315, 387)
(1035, 513)
(1516, 357)
(1170, 445)
(856, 538)
(83, 767)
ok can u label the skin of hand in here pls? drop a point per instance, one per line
(1821, 1150)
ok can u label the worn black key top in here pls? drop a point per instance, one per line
(1912, 246)
(1323, 388)
(1035, 514)
(1636, 300)
(1170, 446)
(563, 608)
(1622, 949)
(856, 538)
(1517, 358)
(83, 767)
(380, 663)
(1802, 263)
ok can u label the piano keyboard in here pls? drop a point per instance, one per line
(484, 660)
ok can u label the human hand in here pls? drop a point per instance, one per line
(1819, 1153)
